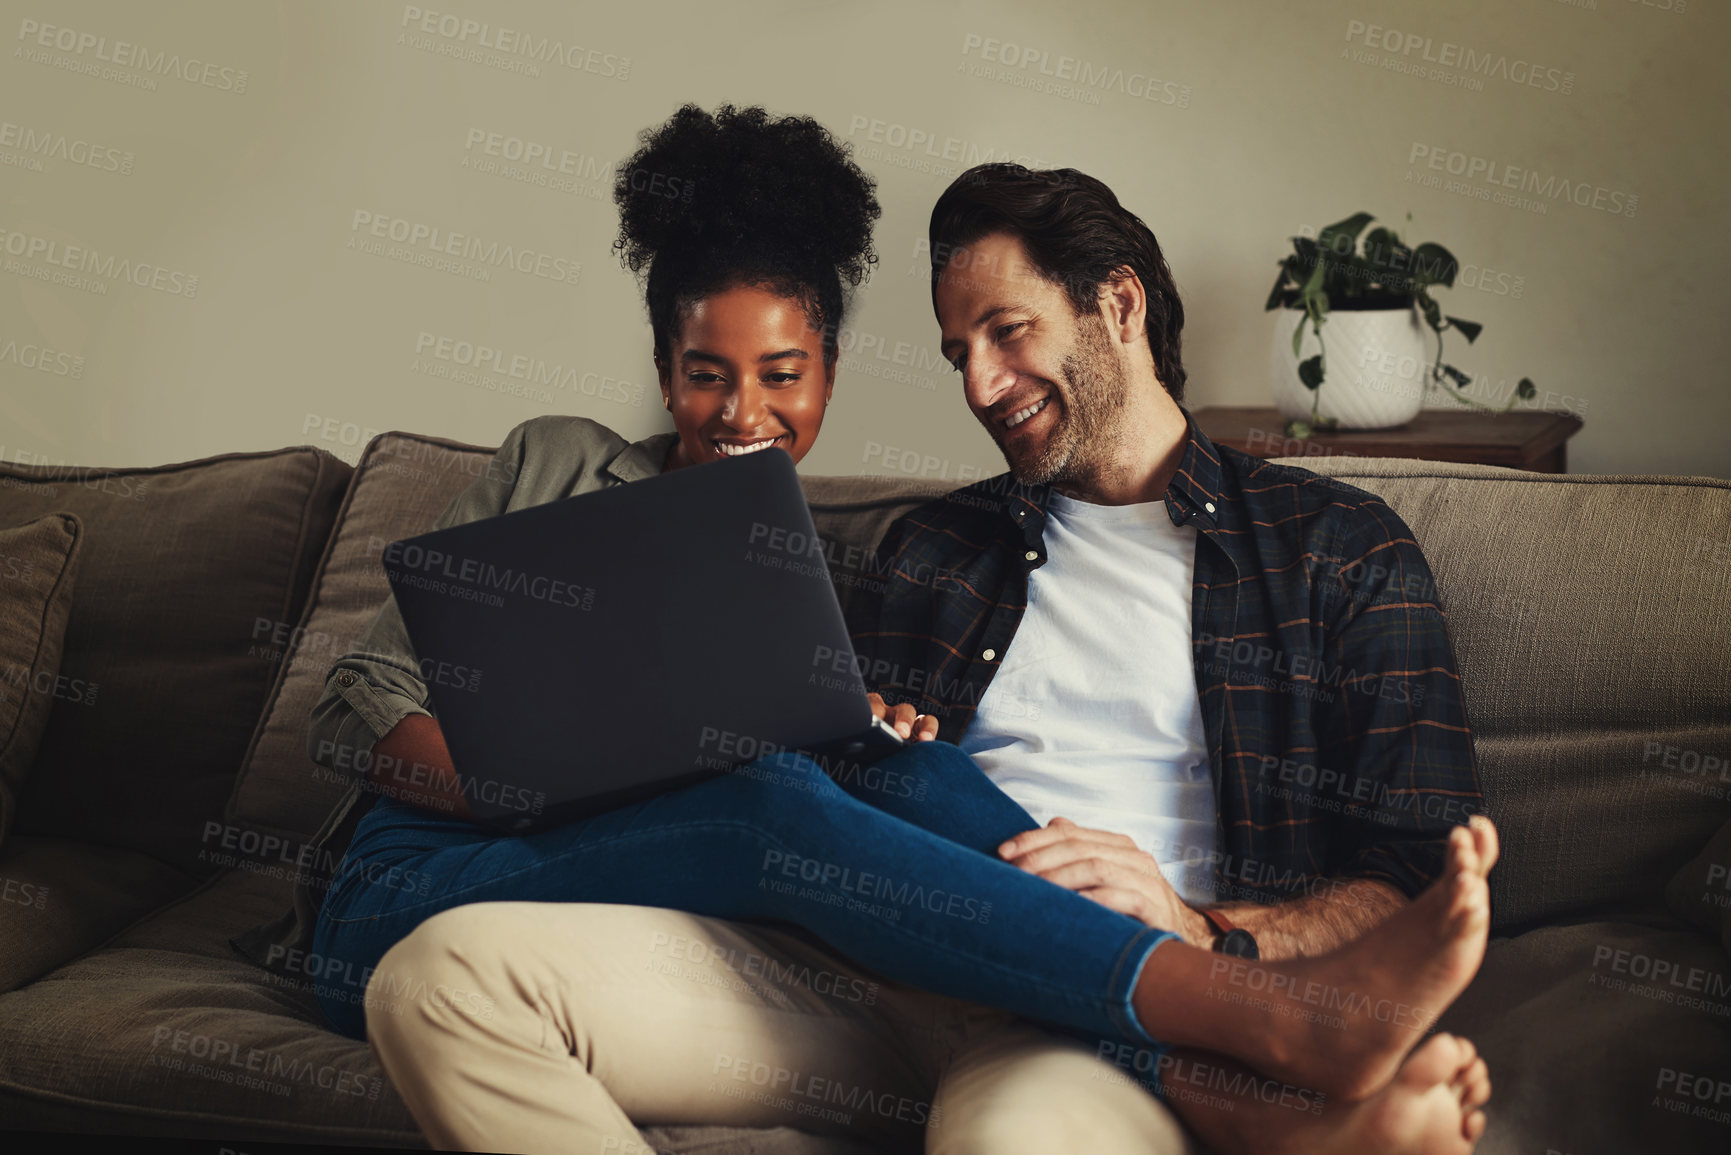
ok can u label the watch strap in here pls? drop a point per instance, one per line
(1222, 925)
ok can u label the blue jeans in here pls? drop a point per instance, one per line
(894, 866)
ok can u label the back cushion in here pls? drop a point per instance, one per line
(1590, 617)
(187, 572)
(851, 514)
(401, 485)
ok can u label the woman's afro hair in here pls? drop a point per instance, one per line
(743, 197)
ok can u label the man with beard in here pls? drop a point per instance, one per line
(1239, 669)
(1224, 686)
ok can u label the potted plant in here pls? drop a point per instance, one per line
(1374, 365)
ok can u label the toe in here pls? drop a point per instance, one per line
(1476, 1087)
(1469, 856)
(1486, 842)
(1473, 1126)
(1434, 1062)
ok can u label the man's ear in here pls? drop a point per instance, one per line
(1124, 305)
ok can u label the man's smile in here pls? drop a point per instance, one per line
(1025, 412)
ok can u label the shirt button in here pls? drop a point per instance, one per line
(1209, 506)
(1032, 555)
(989, 655)
(345, 678)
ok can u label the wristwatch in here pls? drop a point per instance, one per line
(1229, 939)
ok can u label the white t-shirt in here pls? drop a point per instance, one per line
(1093, 713)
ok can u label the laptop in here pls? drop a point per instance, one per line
(600, 649)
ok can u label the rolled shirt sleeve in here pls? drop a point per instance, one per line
(1400, 732)
(378, 683)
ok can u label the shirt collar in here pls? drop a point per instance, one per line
(642, 458)
(1195, 488)
(1194, 491)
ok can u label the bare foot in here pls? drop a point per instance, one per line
(1397, 980)
(1432, 1106)
(1342, 1023)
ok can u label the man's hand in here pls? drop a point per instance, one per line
(1110, 869)
(909, 723)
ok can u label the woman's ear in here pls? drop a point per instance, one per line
(666, 379)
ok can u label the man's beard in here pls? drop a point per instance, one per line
(1093, 395)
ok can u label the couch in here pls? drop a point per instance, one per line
(1591, 617)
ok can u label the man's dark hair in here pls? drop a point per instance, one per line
(712, 202)
(1076, 234)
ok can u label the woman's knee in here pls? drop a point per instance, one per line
(940, 766)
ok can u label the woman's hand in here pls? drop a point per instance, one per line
(909, 723)
(1110, 869)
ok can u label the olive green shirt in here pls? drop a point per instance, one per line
(377, 683)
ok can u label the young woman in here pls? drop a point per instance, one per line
(745, 266)
(745, 298)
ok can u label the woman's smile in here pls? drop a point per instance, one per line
(740, 446)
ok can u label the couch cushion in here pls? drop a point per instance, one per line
(402, 482)
(1589, 616)
(1596, 1034)
(851, 514)
(38, 566)
(165, 1032)
(186, 572)
(59, 899)
(1700, 893)
(173, 1035)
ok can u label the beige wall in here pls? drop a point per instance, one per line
(262, 130)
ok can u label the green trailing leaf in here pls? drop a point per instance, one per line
(1379, 238)
(1315, 280)
(1469, 329)
(1526, 390)
(1298, 334)
(1388, 254)
(1341, 238)
(1433, 265)
(1298, 429)
(1457, 376)
(1432, 312)
(1310, 371)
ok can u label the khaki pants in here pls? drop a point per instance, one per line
(555, 1027)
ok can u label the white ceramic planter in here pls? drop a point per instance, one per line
(1376, 367)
